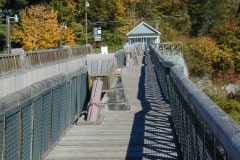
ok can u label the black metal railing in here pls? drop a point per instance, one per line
(33, 119)
(204, 131)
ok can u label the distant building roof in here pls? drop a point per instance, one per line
(143, 29)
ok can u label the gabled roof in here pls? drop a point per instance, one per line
(143, 28)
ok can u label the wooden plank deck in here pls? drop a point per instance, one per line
(144, 132)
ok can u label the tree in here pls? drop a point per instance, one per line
(2, 2)
(79, 32)
(38, 28)
(198, 64)
(68, 36)
(98, 11)
(119, 10)
(15, 4)
(204, 57)
(228, 34)
(148, 9)
(206, 14)
(175, 14)
(66, 10)
(119, 17)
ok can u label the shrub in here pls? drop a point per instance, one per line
(228, 105)
(204, 57)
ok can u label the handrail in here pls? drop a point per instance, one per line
(76, 51)
(33, 119)
(15, 62)
(120, 56)
(204, 130)
(43, 57)
(9, 63)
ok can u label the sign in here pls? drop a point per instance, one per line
(97, 33)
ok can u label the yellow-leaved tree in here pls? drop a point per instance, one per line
(68, 37)
(205, 58)
(119, 16)
(39, 28)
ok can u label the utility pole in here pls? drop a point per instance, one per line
(8, 38)
(86, 25)
(62, 27)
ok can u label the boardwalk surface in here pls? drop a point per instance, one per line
(144, 132)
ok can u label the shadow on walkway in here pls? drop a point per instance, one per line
(152, 135)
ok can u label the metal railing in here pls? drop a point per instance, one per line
(121, 58)
(15, 62)
(9, 63)
(33, 119)
(170, 47)
(205, 132)
(44, 57)
(76, 51)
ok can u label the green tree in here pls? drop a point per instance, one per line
(175, 14)
(16, 4)
(66, 9)
(148, 9)
(206, 14)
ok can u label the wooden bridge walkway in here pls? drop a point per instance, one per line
(144, 132)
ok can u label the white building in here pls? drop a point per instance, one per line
(144, 33)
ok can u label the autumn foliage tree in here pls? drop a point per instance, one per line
(39, 29)
(204, 57)
(120, 16)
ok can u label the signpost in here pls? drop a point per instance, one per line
(97, 34)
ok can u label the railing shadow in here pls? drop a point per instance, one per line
(152, 135)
